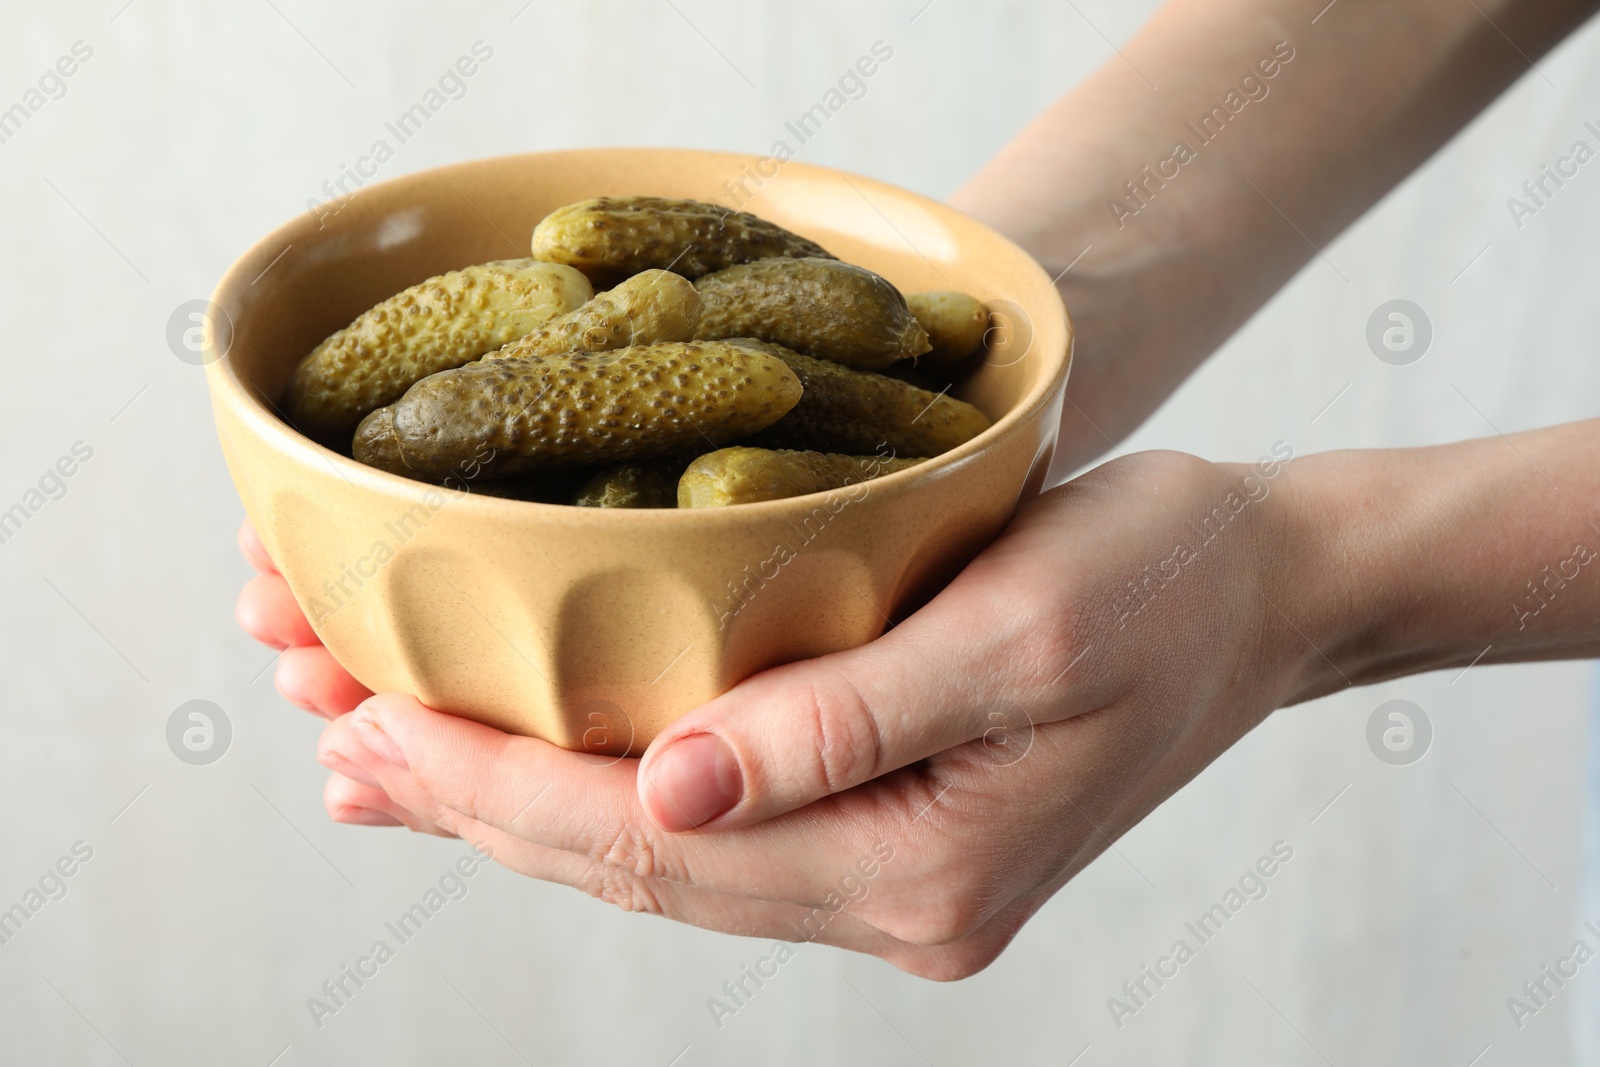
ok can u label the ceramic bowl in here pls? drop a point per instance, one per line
(594, 628)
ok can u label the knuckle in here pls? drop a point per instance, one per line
(849, 746)
(420, 825)
(951, 964)
(1054, 637)
(1042, 627)
(947, 917)
(622, 889)
(631, 851)
(434, 813)
(449, 794)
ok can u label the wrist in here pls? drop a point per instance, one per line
(1400, 561)
(1357, 526)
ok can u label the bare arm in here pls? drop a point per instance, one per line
(1398, 561)
(1198, 204)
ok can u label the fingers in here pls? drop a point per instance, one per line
(255, 553)
(789, 928)
(267, 611)
(307, 674)
(450, 771)
(309, 677)
(353, 802)
(794, 734)
(925, 857)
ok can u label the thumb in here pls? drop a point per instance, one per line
(797, 733)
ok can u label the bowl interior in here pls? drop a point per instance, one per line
(318, 272)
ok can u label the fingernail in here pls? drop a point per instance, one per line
(380, 744)
(697, 779)
(335, 760)
(303, 705)
(297, 700)
(366, 817)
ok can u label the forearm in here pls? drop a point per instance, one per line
(1400, 561)
(1196, 206)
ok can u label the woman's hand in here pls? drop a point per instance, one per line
(918, 798)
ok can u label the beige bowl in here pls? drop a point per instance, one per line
(595, 628)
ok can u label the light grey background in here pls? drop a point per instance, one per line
(221, 898)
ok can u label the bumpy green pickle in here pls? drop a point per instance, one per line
(441, 323)
(582, 409)
(822, 307)
(749, 475)
(654, 306)
(855, 411)
(633, 485)
(612, 237)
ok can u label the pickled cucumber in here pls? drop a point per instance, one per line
(652, 484)
(822, 307)
(846, 410)
(441, 323)
(748, 475)
(652, 306)
(551, 487)
(376, 445)
(955, 322)
(579, 409)
(613, 237)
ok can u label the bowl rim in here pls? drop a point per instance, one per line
(260, 415)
